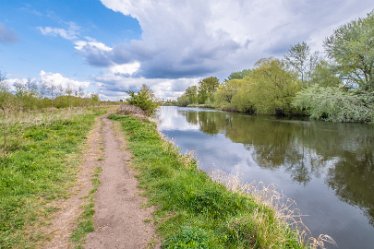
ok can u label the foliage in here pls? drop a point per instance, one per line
(207, 88)
(300, 59)
(192, 210)
(352, 48)
(335, 104)
(86, 221)
(324, 75)
(267, 89)
(239, 75)
(273, 88)
(190, 96)
(144, 99)
(38, 166)
(202, 94)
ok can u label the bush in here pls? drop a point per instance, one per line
(144, 99)
(336, 105)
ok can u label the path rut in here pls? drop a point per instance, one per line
(120, 217)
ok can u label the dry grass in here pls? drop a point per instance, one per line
(285, 208)
(38, 117)
(131, 110)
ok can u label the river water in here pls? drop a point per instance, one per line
(327, 168)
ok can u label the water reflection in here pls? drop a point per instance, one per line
(332, 163)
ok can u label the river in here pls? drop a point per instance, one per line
(327, 168)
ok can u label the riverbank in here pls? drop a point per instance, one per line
(193, 211)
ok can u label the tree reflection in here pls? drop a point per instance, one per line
(341, 153)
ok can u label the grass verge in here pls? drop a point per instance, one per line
(85, 221)
(193, 211)
(38, 165)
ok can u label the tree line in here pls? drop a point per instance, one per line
(31, 95)
(338, 86)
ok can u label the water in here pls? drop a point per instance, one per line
(327, 168)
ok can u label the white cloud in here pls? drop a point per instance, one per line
(82, 45)
(70, 33)
(125, 69)
(116, 86)
(58, 80)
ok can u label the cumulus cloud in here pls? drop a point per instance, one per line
(195, 38)
(58, 80)
(113, 86)
(7, 35)
(48, 80)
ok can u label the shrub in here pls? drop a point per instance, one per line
(144, 99)
(336, 105)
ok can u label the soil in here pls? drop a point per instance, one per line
(121, 218)
(64, 221)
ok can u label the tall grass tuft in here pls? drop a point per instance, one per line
(285, 208)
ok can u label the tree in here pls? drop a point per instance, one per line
(273, 88)
(191, 94)
(352, 48)
(239, 75)
(324, 75)
(300, 59)
(207, 88)
(228, 90)
(144, 99)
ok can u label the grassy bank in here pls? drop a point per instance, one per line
(192, 210)
(38, 164)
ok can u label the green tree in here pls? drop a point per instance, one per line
(144, 99)
(191, 94)
(273, 88)
(300, 59)
(324, 75)
(207, 88)
(352, 48)
(234, 95)
(239, 75)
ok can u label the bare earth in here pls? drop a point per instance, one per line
(64, 221)
(120, 216)
(121, 220)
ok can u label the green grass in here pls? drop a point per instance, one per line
(85, 222)
(192, 210)
(38, 165)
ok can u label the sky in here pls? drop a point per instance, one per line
(112, 46)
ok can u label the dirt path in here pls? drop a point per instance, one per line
(64, 221)
(120, 216)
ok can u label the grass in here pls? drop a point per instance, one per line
(193, 211)
(85, 222)
(38, 165)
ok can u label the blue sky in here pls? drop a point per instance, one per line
(111, 46)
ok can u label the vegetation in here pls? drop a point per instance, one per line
(85, 222)
(192, 210)
(32, 95)
(144, 99)
(38, 165)
(352, 49)
(339, 88)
